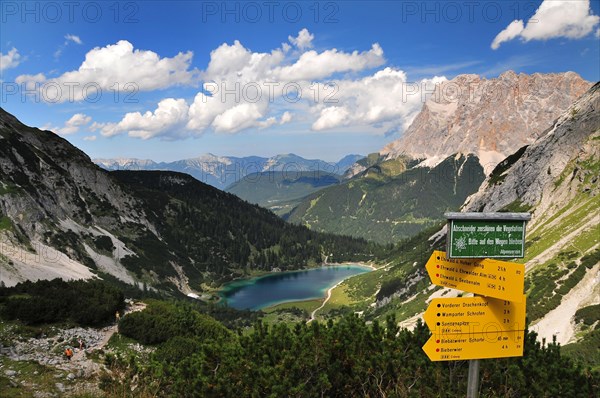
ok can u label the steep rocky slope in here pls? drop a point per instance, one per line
(63, 216)
(490, 118)
(556, 179)
(482, 119)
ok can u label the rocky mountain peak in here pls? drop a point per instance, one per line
(551, 170)
(491, 118)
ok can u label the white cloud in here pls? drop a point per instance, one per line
(244, 90)
(385, 98)
(312, 65)
(118, 67)
(10, 60)
(553, 19)
(90, 138)
(330, 117)
(303, 40)
(286, 118)
(71, 126)
(170, 114)
(73, 38)
(513, 30)
(239, 117)
(598, 33)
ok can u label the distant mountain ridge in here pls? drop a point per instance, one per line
(281, 192)
(490, 118)
(223, 171)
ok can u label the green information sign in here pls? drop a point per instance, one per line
(486, 238)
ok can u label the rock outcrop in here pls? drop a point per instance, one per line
(490, 118)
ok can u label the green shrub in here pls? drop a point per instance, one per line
(87, 303)
(161, 321)
(588, 315)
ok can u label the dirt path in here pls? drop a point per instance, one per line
(314, 313)
(79, 355)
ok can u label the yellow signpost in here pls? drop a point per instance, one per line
(472, 315)
(454, 347)
(475, 328)
(492, 278)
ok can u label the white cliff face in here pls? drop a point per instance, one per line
(538, 177)
(490, 118)
(556, 179)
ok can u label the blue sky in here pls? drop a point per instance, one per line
(322, 79)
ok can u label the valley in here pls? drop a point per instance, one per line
(217, 277)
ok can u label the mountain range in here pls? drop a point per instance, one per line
(490, 118)
(63, 216)
(389, 195)
(556, 180)
(223, 171)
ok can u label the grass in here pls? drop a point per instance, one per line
(119, 343)
(413, 307)
(7, 189)
(546, 235)
(5, 223)
(292, 312)
(304, 305)
(339, 298)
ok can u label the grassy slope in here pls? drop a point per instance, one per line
(391, 201)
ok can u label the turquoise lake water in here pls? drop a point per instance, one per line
(281, 287)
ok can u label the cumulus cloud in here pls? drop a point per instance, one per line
(71, 126)
(10, 60)
(313, 65)
(170, 114)
(286, 118)
(386, 98)
(90, 138)
(553, 19)
(117, 67)
(303, 40)
(243, 89)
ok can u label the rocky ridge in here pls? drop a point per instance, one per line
(490, 118)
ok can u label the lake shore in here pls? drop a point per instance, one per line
(232, 288)
(359, 263)
(329, 291)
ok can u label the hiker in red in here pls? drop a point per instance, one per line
(69, 353)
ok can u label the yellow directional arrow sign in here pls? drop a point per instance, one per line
(454, 347)
(473, 315)
(492, 278)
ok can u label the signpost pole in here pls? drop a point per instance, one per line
(473, 381)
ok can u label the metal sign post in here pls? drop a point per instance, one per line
(473, 381)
